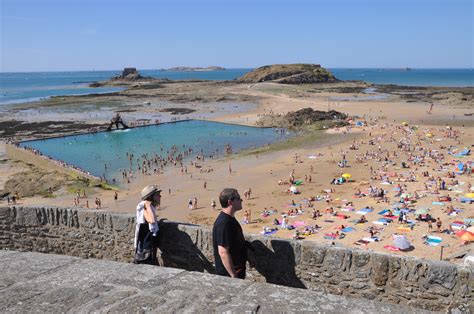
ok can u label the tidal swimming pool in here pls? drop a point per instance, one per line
(108, 153)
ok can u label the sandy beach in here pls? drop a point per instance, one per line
(397, 131)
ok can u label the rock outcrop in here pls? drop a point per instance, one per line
(310, 116)
(289, 74)
(130, 74)
(304, 117)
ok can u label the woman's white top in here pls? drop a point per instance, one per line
(141, 219)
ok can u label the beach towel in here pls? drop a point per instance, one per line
(347, 209)
(387, 220)
(380, 223)
(342, 216)
(391, 248)
(467, 200)
(403, 229)
(361, 242)
(383, 212)
(364, 211)
(371, 239)
(291, 205)
(299, 223)
(437, 203)
(330, 236)
(348, 229)
(330, 221)
(433, 240)
(458, 225)
(269, 233)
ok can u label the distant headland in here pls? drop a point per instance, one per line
(183, 68)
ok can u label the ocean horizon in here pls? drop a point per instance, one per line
(21, 87)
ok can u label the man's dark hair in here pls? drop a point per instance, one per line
(228, 194)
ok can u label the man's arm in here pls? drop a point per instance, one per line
(227, 260)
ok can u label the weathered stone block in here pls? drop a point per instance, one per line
(379, 269)
(360, 258)
(312, 254)
(442, 273)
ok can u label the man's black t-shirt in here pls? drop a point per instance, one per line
(227, 232)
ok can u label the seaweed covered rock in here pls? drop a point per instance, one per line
(289, 74)
(308, 116)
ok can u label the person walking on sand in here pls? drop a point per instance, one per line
(439, 224)
(230, 251)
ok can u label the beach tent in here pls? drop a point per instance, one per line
(465, 235)
(470, 195)
(401, 242)
(404, 123)
(346, 175)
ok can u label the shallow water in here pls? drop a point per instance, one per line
(105, 153)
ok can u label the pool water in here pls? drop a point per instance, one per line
(106, 154)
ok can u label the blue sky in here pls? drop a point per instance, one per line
(54, 35)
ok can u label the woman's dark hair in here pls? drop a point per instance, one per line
(228, 194)
(151, 199)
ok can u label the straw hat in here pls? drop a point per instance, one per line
(149, 190)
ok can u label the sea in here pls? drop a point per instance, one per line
(32, 86)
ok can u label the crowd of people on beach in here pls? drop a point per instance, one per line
(406, 180)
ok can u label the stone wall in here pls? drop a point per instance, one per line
(432, 285)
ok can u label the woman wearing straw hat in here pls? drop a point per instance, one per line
(147, 226)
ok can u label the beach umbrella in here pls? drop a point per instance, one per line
(401, 242)
(346, 175)
(293, 189)
(465, 235)
(421, 211)
(470, 195)
(429, 135)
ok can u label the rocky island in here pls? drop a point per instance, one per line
(299, 73)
